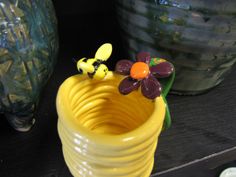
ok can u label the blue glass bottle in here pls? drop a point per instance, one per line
(28, 51)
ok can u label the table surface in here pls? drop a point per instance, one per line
(202, 137)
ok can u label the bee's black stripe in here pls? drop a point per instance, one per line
(80, 71)
(85, 59)
(99, 60)
(96, 65)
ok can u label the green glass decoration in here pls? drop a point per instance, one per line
(197, 36)
(28, 51)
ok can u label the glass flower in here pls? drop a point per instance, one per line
(142, 73)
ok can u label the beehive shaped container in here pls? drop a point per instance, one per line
(104, 133)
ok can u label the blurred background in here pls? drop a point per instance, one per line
(85, 25)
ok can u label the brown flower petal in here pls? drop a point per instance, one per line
(150, 87)
(143, 57)
(123, 67)
(127, 85)
(162, 70)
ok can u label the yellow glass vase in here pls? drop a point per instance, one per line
(104, 133)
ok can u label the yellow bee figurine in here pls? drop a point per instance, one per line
(94, 67)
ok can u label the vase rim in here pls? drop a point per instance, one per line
(149, 128)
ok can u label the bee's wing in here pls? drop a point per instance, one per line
(104, 52)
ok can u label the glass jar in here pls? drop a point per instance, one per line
(197, 36)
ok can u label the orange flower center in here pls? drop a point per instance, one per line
(139, 70)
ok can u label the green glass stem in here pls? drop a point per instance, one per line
(166, 86)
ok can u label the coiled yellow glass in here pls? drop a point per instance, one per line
(104, 133)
